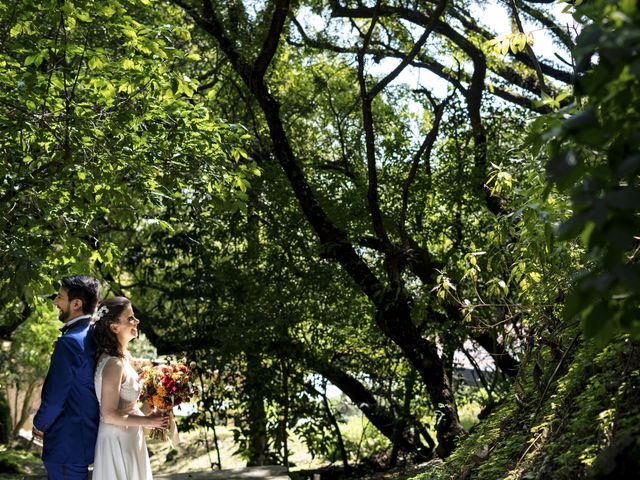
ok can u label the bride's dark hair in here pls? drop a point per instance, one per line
(106, 340)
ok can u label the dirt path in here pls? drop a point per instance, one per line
(271, 472)
(251, 473)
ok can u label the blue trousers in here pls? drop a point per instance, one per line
(57, 471)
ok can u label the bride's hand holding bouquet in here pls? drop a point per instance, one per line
(164, 387)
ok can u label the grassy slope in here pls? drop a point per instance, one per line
(586, 426)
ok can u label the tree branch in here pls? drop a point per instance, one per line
(6, 330)
(210, 23)
(421, 61)
(560, 75)
(270, 45)
(423, 151)
(529, 50)
(373, 201)
(547, 22)
(408, 58)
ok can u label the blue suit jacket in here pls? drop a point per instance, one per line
(69, 414)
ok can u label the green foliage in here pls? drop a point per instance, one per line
(141, 347)
(131, 161)
(10, 463)
(584, 417)
(101, 130)
(362, 440)
(26, 361)
(594, 151)
(255, 281)
(32, 344)
(567, 435)
(513, 42)
(16, 461)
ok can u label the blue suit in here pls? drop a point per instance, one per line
(69, 413)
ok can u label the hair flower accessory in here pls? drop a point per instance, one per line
(102, 311)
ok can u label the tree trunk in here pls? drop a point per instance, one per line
(405, 415)
(24, 411)
(393, 315)
(395, 321)
(334, 423)
(5, 418)
(285, 413)
(257, 415)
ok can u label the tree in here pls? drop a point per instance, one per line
(395, 250)
(98, 129)
(391, 223)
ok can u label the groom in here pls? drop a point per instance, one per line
(68, 417)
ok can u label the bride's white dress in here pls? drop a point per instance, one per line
(121, 452)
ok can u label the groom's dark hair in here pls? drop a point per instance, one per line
(82, 287)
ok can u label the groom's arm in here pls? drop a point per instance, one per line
(64, 363)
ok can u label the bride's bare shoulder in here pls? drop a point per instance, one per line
(114, 364)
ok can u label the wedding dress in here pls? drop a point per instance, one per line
(121, 452)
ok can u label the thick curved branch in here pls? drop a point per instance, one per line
(474, 92)
(560, 75)
(408, 58)
(516, 99)
(6, 330)
(270, 45)
(210, 23)
(445, 29)
(367, 98)
(333, 240)
(393, 305)
(421, 61)
(501, 357)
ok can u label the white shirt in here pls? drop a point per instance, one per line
(67, 325)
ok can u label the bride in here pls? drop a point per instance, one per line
(121, 450)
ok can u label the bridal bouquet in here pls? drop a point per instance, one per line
(165, 387)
